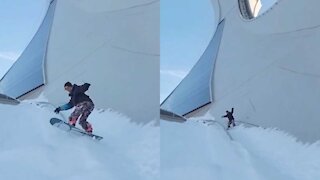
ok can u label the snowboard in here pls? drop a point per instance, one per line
(69, 128)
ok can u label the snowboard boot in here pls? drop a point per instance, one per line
(72, 121)
(89, 128)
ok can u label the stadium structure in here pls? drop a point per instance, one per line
(264, 64)
(113, 45)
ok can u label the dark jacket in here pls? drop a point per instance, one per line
(229, 115)
(77, 95)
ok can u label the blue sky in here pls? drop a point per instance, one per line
(186, 29)
(19, 21)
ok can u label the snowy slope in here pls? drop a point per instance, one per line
(194, 150)
(32, 149)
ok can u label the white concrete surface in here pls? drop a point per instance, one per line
(268, 67)
(114, 45)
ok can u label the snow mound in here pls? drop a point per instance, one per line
(30, 148)
(202, 149)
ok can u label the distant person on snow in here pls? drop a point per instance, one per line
(82, 102)
(230, 117)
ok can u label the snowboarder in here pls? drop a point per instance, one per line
(230, 117)
(82, 102)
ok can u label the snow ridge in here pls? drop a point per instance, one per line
(36, 150)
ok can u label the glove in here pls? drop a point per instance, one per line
(57, 110)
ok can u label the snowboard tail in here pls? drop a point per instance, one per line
(69, 128)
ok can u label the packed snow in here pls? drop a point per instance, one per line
(32, 149)
(199, 149)
(203, 150)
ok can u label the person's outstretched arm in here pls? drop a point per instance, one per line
(63, 107)
(232, 111)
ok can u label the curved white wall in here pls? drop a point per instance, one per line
(114, 45)
(268, 68)
(195, 91)
(27, 73)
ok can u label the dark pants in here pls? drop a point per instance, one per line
(84, 109)
(231, 121)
